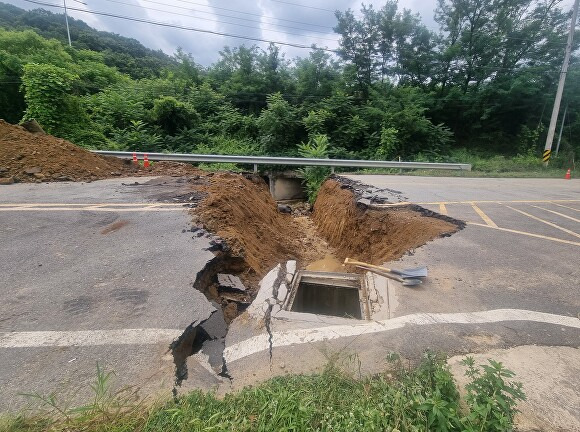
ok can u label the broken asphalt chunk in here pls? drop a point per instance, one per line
(230, 282)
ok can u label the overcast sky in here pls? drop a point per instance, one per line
(275, 20)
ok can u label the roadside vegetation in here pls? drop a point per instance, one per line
(478, 90)
(404, 399)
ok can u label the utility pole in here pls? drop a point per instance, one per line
(555, 111)
(68, 30)
(561, 129)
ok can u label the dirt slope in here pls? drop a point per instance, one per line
(242, 212)
(372, 235)
(30, 157)
(36, 157)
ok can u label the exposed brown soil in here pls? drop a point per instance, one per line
(38, 157)
(32, 156)
(242, 212)
(372, 235)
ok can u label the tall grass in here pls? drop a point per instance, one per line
(406, 399)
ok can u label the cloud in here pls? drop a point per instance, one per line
(283, 21)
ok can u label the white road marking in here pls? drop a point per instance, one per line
(35, 339)
(260, 343)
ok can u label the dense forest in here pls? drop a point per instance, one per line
(483, 84)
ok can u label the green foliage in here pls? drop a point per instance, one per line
(402, 399)
(315, 121)
(172, 115)
(46, 92)
(137, 137)
(125, 54)
(491, 398)
(314, 176)
(388, 143)
(115, 107)
(485, 83)
(277, 125)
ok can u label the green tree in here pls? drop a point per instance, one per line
(46, 92)
(277, 125)
(172, 115)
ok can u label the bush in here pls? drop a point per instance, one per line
(314, 176)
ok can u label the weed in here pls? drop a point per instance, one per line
(491, 398)
(419, 398)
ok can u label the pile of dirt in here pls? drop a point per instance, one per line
(372, 235)
(39, 157)
(244, 214)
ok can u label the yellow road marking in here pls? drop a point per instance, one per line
(571, 208)
(90, 204)
(527, 234)
(545, 222)
(497, 201)
(442, 209)
(555, 212)
(485, 217)
(93, 209)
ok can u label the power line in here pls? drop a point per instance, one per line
(304, 6)
(219, 15)
(253, 14)
(217, 21)
(180, 27)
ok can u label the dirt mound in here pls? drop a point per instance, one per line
(36, 157)
(372, 235)
(242, 212)
(39, 157)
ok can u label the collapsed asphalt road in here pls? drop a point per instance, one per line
(119, 261)
(103, 274)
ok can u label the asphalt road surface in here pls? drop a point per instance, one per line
(520, 248)
(93, 273)
(102, 272)
(510, 278)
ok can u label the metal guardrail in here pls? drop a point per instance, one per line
(267, 160)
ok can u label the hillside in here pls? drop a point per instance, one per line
(407, 92)
(127, 55)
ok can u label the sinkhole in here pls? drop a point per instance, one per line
(333, 294)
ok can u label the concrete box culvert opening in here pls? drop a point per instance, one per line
(332, 294)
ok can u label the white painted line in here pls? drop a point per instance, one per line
(260, 343)
(442, 209)
(35, 339)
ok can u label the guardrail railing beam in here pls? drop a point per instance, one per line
(270, 160)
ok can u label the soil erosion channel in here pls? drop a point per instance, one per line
(241, 221)
(253, 237)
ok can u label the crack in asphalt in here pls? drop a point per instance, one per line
(268, 315)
